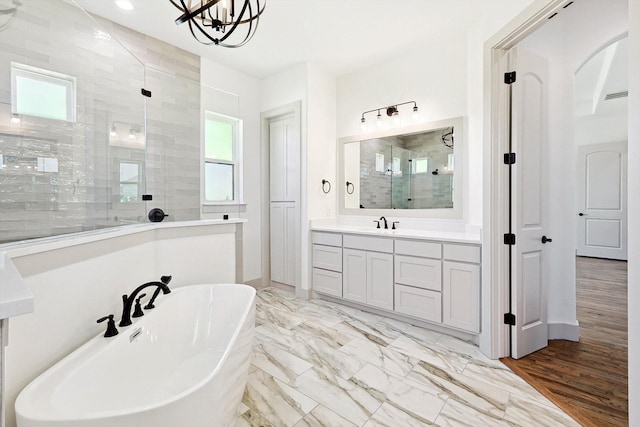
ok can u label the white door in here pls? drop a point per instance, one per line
(529, 135)
(284, 189)
(284, 153)
(380, 280)
(354, 275)
(602, 200)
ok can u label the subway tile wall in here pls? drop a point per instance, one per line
(111, 64)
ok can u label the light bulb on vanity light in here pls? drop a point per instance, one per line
(416, 114)
(363, 124)
(15, 120)
(396, 118)
(113, 133)
(132, 135)
(379, 122)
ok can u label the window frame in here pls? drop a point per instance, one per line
(47, 76)
(414, 165)
(138, 183)
(235, 163)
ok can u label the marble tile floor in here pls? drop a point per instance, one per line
(317, 363)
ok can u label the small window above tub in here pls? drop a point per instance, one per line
(42, 93)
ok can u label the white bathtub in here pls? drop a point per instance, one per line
(188, 367)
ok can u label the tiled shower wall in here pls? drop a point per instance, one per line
(111, 64)
(430, 191)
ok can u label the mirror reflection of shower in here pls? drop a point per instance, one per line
(413, 171)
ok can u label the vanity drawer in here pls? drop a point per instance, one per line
(367, 243)
(329, 239)
(419, 303)
(417, 248)
(327, 257)
(464, 253)
(327, 282)
(423, 273)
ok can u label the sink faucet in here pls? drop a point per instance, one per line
(127, 301)
(386, 227)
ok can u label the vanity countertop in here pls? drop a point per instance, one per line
(446, 236)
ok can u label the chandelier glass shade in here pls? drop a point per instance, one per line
(226, 23)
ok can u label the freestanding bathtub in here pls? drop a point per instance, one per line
(185, 363)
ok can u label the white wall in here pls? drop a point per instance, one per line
(634, 214)
(74, 286)
(567, 41)
(230, 92)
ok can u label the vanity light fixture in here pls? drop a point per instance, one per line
(212, 22)
(392, 111)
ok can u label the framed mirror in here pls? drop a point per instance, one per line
(410, 171)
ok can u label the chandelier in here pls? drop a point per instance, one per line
(214, 21)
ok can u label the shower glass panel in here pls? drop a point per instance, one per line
(173, 142)
(72, 124)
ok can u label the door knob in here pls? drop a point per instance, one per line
(580, 214)
(545, 239)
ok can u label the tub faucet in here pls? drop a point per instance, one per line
(386, 226)
(127, 301)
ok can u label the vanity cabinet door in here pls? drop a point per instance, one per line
(380, 280)
(354, 275)
(461, 295)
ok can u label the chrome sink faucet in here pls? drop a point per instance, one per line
(127, 301)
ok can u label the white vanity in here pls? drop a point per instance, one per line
(430, 276)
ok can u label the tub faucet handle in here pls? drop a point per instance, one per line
(377, 222)
(137, 312)
(112, 331)
(393, 226)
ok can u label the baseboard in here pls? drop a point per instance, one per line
(564, 331)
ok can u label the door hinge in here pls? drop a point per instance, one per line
(510, 77)
(510, 319)
(509, 239)
(509, 158)
(145, 92)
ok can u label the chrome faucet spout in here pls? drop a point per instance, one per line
(127, 301)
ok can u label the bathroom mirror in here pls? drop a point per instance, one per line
(410, 169)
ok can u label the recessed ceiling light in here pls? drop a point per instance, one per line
(124, 4)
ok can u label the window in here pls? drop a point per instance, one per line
(380, 162)
(129, 182)
(397, 170)
(42, 93)
(420, 165)
(221, 154)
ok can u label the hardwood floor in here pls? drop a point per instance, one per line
(588, 379)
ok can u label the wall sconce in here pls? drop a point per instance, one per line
(126, 135)
(391, 111)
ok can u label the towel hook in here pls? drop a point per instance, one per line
(353, 188)
(324, 183)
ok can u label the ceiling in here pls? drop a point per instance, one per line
(603, 74)
(339, 35)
